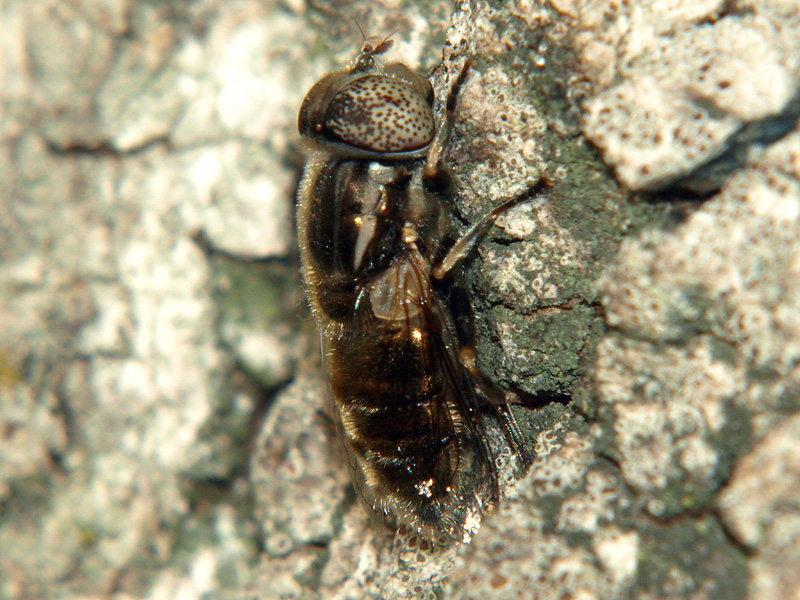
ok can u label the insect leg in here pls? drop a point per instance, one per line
(487, 388)
(444, 127)
(470, 239)
(500, 400)
(488, 392)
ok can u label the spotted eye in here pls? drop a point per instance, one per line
(380, 114)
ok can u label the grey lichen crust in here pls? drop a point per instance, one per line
(705, 362)
(126, 149)
(147, 300)
(680, 84)
(516, 123)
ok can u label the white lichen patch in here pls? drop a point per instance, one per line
(766, 481)
(521, 275)
(776, 204)
(520, 221)
(722, 291)
(748, 79)
(560, 470)
(618, 552)
(670, 91)
(236, 200)
(682, 10)
(596, 504)
(250, 92)
(528, 274)
(310, 473)
(773, 572)
(628, 374)
(784, 155)
(510, 159)
(513, 557)
(651, 134)
(263, 352)
(653, 16)
(698, 457)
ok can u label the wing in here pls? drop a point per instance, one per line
(408, 407)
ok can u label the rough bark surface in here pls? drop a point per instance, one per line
(164, 424)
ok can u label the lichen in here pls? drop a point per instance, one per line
(667, 100)
(144, 144)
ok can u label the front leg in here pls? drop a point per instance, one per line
(433, 162)
(467, 242)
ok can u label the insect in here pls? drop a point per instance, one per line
(372, 217)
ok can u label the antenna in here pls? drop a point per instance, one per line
(363, 37)
(374, 44)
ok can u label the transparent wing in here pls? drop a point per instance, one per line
(408, 407)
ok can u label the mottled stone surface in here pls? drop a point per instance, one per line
(516, 122)
(129, 156)
(761, 506)
(164, 421)
(682, 90)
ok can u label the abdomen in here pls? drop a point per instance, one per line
(409, 417)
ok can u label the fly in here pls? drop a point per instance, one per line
(372, 217)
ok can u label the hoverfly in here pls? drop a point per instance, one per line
(372, 218)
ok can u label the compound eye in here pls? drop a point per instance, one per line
(380, 114)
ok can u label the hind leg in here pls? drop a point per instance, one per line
(487, 390)
(500, 400)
